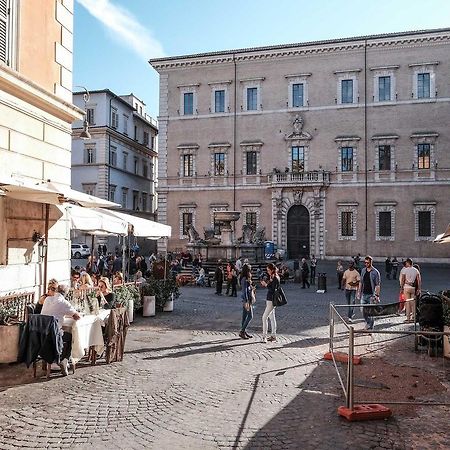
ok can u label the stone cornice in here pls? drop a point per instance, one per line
(394, 40)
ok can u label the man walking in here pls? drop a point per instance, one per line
(313, 269)
(305, 273)
(218, 275)
(410, 284)
(351, 281)
(388, 267)
(369, 290)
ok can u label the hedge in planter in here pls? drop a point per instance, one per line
(162, 290)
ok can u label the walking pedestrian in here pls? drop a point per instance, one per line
(339, 273)
(247, 296)
(369, 289)
(272, 283)
(394, 264)
(313, 269)
(218, 276)
(304, 269)
(234, 281)
(388, 267)
(350, 281)
(410, 284)
(229, 277)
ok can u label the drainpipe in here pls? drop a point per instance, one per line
(234, 134)
(366, 190)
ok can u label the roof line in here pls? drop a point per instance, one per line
(303, 44)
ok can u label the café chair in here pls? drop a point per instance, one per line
(40, 340)
(115, 334)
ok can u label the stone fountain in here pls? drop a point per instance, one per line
(250, 246)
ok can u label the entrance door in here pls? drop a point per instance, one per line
(298, 232)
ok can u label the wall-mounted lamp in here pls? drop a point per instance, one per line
(86, 97)
(42, 249)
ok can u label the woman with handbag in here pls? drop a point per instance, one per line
(272, 284)
(248, 299)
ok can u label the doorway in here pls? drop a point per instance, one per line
(298, 232)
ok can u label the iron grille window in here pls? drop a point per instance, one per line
(347, 159)
(347, 91)
(188, 165)
(298, 159)
(250, 219)
(423, 155)
(384, 157)
(347, 223)
(219, 163)
(297, 95)
(424, 219)
(188, 103)
(423, 85)
(187, 220)
(384, 220)
(251, 163)
(252, 99)
(384, 89)
(219, 101)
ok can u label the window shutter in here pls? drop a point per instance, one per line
(4, 13)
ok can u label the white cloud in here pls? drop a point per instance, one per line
(125, 27)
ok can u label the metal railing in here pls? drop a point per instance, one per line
(315, 177)
(19, 302)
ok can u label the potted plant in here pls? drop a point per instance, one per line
(9, 333)
(149, 295)
(446, 313)
(165, 292)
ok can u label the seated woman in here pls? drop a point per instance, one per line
(85, 281)
(138, 278)
(105, 297)
(200, 281)
(118, 279)
(51, 288)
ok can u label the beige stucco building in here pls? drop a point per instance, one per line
(335, 147)
(36, 113)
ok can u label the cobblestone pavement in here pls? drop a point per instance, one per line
(188, 382)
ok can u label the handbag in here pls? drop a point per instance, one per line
(252, 295)
(279, 297)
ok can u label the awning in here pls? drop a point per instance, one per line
(444, 237)
(142, 227)
(95, 222)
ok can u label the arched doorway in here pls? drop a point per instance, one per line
(298, 232)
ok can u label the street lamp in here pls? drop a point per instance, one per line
(86, 97)
(42, 248)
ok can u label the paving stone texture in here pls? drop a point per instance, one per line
(188, 382)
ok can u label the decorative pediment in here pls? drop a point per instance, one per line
(298, 134)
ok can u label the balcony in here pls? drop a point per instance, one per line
(313, 178)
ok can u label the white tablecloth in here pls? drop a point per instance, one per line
(86, 332)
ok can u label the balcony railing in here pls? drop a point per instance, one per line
(18, 302)
(303, 178)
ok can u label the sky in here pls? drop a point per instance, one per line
(114, 39)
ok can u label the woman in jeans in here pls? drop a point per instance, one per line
(272, 283)
(247, 307)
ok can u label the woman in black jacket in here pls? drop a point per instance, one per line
(272, 283)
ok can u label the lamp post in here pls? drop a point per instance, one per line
(86, 97)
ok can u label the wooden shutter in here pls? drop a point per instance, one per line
(4, 28)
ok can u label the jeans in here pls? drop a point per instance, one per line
(350, 295)
(269, 313)
(247, 316)
(366, 299)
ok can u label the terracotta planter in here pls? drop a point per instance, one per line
(149, 306)
(9, 343)
(447, 343)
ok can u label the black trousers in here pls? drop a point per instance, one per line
(67, 345)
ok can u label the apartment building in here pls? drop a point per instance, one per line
(335, 147)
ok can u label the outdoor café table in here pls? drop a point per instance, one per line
(86, 334)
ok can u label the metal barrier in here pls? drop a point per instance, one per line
(19, 302)
(346, 339)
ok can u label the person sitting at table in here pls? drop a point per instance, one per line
(118, 279)
(57, 306)
(138, 278)
(105, 296)
(38, 307)
(86, 281)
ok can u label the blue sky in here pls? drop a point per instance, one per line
(113, 39)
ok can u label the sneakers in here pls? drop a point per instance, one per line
(242, 335)
(249, 336)
(64, 365)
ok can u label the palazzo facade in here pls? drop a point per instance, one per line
(335, 147)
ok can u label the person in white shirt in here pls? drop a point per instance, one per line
(410, 285)
(58, 307)
(350, 281)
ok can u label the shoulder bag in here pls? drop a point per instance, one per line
(279, 297)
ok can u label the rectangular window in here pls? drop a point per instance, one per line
(135, 133)
(423, 85)
(187, 220)
(250, 219)
(347, 91)
(219, 163)
(146, 139)
(424, 219)
(135, 201)
(145, 170)
(112, 193)
(384, 89)
(188, 165)
(347, 223)
(384, 157)
(113, 157)
(144, 201)
(297, 95)
(136, 166)
(252, 99)
(89, 189)
(4, 32)
(219, 101)
(125, 160)
(89, 155)
(347, 159)
(90, 116)
(125, 124)
(384, 221)
(124, 197)
(298, 159)
(423, 155)
(188, 103)
(114, 118)
(252, 162)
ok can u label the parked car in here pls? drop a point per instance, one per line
(80, 251)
